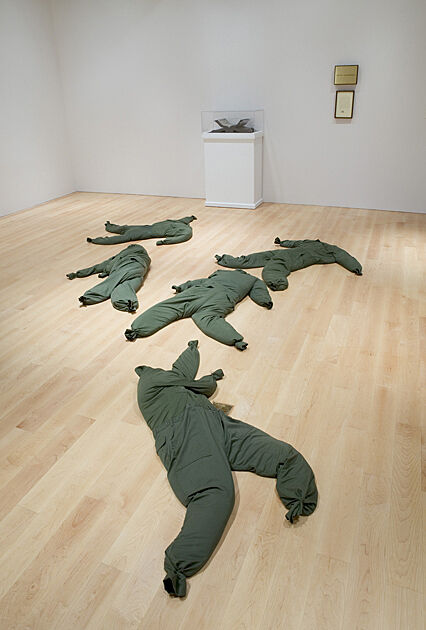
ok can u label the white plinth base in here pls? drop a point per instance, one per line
(233, 169)
(250, 206)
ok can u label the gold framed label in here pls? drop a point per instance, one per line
(344, 105)
(345, 75)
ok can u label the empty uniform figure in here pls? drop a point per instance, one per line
(199, 446)
(278, 264)
(124, 275)
(172, 231)
(208, 301)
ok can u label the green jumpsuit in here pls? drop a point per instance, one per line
(207, 301)
(278, 264)
(174, 231)
(125, 273)
(199, 446)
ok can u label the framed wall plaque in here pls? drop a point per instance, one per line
(345, 75)
(344, 106)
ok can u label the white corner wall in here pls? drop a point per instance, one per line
(34, 155)
(138, 73)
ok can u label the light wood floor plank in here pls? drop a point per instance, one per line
(336, 368)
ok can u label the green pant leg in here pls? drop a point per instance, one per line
(275, 274)
(215, 326)
(99, 293)
(258, 259)
(343, 258)
(160, 315)
(202, 480)
(251, 449)
(123, 296)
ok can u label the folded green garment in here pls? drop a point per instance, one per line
(124, 275)
(207, 301)
(200, 446)
(278, 264)
(173, 231)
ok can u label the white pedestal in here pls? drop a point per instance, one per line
(233, 169)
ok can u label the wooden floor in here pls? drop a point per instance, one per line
(334, 368)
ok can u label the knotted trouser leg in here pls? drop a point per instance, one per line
(99, 293)
(161, 314)
(251, 449)
(123, 296)
(215, 326)
(202, 480)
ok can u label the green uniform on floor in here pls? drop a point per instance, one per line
(278, 264)
(199, 446)
(173, 231)
(125, 273)
(207, 301)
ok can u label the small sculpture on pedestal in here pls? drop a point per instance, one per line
(226, 127)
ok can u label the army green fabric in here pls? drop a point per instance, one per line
(199, 446)
(125, 273)
(278, 264)
(207, 301)
(174, 231)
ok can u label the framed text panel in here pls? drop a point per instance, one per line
(345, 75)
(344, 105)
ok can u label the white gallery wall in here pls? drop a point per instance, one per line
(34, 154)
(137, 73)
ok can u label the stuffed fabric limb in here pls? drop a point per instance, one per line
(260, 294)
(188, 362)
(275, 273)
(123, 296)
(181, 235)
(215, 326)
(251, 261)
(200, 446)
(110, 240)
(89, 271)
(346, 260)
(290, 244)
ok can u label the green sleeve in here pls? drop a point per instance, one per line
(83, 273)
(206, 385)
(88, 271)
(291, 243)
(188, 362)
(181, 237)
(187, 285)
(259, 293)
